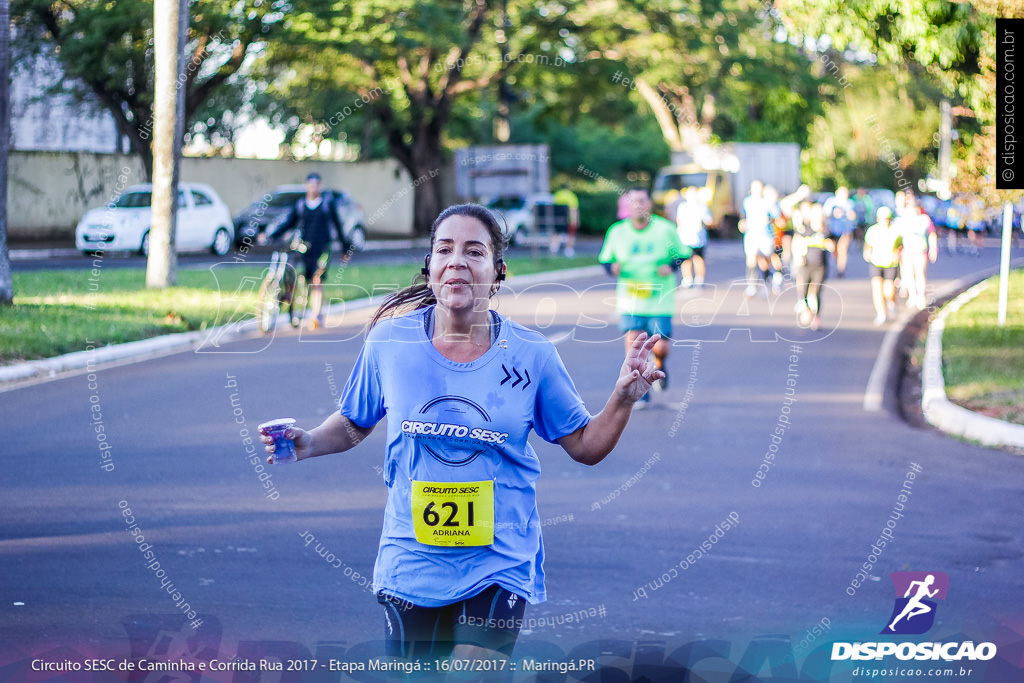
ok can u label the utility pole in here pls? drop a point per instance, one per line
(170, 21)
(6, 277)
(945, 146)
(502, 121)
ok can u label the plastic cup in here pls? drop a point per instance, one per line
(284, 449)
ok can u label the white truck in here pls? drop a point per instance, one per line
(513, 181)
(724, 173)
(490, 172)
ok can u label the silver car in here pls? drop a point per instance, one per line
(517, 216)
(272, 208)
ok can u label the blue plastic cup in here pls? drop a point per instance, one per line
(284, 448)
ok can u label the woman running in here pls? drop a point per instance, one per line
(920, 246)
(811, 245)
(462, 387)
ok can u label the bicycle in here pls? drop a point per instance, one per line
(283, 285)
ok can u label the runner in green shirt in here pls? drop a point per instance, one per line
(644, 252)
(566, 197)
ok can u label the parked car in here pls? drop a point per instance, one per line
(272, 208)
(204, 222)
(516, 213)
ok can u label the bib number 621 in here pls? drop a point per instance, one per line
(453, 514)
(451, 510)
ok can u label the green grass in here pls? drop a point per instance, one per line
(60, 311)
(983, 364)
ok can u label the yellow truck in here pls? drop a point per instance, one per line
(724, 173)
(715, 187)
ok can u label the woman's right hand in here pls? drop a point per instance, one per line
(300, 437)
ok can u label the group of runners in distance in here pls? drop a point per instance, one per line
(792, 236)
(460, 554)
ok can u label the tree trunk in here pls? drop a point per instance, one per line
(662, 114)
(426, 173)
(139, 135)
(426, 205)
(6, 277)
(421, 159)
(170, 16)
(679, 122)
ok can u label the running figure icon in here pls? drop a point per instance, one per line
(914, 606)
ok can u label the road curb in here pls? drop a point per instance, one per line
(882, 371)
(104, 355)
(12, 376)
(942, 413)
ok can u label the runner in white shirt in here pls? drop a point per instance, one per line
(758, 236)
(920, 247)
(692, 217)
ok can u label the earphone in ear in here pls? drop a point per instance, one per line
(426, 266)
(500, 265)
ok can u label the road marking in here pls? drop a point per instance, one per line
(874, 394)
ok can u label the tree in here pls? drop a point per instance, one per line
(953, 41)
(396, 65)
(424, 75)
(106, 50)
(876, 134)
(706, 70)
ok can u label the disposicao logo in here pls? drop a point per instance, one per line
(914, 613)
(916, 593)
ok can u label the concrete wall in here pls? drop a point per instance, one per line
(48, 192)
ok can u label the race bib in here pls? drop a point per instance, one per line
(639, 290)
(453, 513)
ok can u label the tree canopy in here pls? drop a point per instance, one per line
(105, 48)
(413, 79)
(954, 42)
(598, 80)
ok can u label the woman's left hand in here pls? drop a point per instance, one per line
(638, 371)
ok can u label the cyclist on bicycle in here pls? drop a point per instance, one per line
(314, 215)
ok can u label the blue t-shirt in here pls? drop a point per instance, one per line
(837, 216)
(461, 422)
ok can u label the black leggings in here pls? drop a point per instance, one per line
(491, 619)
(812, 275)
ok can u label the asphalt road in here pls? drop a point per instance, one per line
(272, 560)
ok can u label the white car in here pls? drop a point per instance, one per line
(517, 213)
(204, 222)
